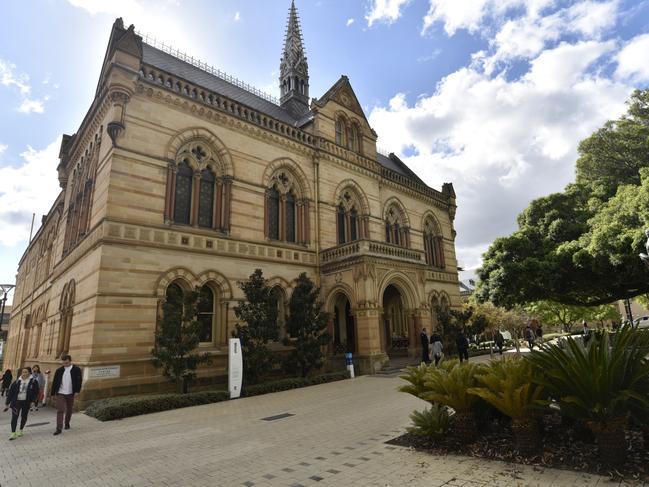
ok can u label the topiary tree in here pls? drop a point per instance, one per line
(259, 313)
(177, 337)
(307, 327)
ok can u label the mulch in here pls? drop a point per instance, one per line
(565, 446)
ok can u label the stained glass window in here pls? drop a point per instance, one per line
(206, 199)
(290, 217)
(183, 197)
(273, 214)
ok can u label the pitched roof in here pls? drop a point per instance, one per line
(394, 163)
(171, 64)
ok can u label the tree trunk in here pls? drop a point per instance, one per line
(528, 439)
(464, 426)
(611, 441)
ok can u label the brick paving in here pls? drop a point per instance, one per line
(335, 436)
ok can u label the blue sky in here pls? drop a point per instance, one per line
(493, 95)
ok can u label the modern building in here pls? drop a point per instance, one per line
(181, 177)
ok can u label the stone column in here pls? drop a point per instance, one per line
(218, 203)
(307, 226)
(171, 172)
(196, 185)
(227, 203)
(369, 355)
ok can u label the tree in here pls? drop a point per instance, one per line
(177, 337)
(306, 326)
(580, 247)
(451, 322)
(259, 313)
(553, 313)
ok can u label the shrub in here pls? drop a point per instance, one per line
(125, 407)
(507, 385)
(598, 383)
(433, 422)
(416, 376)
(449, 385)
(292, 383)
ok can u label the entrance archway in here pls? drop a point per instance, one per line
(395, 323)
(344, 326)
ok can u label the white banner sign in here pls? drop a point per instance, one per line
(235, 368)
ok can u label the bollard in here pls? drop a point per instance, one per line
(350, 364)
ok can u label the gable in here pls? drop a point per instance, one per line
(343, 94)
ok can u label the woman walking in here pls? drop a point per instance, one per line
(7, 377)
(21, 394)
(40, 378)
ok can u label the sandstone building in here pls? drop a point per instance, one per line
(182, 176)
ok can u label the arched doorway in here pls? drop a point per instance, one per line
(344, 326)
(395, 323)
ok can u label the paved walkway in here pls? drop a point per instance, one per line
(334, 436)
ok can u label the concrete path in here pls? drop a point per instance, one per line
(331, 434)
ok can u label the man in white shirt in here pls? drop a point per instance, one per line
(66, 383)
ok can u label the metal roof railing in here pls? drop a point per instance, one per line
(151, 41)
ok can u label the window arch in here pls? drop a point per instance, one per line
(206, 313)
(66, 310)
(198, 188)
(433, 243)
(340, 131)
(348, 133)
(286, 209)
(350, 224)
(280, 299)
(397, 231)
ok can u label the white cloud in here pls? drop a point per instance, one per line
(28, 106)
(9, 77)
(632, 59)
(3, 147)
(116, 8)
(385, 11)
(237, 16)
(349, 22)
(27, 188)
(503, 142)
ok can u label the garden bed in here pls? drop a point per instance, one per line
(565, 447)
(128, 406)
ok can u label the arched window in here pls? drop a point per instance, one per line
(286, 212)
(353, 224)
(206, 313)
(183, 194)
(341, 224)
(206, 199)
(351, 138)
(290, 217)
(433, 244)
(340, 131)
(396, 228)
(66, 310)
(273, 214)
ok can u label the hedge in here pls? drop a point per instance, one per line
(292, 383)
(128, 406)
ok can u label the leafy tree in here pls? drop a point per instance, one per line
(306, 325)
(177, 337)
(553, 313)
(259, 313)
(450, 323)
(580, 247)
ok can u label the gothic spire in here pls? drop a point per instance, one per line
(293, 69)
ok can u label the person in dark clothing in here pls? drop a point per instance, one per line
(530, 336)
(437, 348)
(499, 339)
(66, 383)
(539, 334)
(7, 377)
(21, 394)
(423, 336)
(462, 347)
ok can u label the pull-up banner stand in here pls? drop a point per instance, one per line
(235, 368)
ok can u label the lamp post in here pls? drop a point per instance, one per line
(5, 288)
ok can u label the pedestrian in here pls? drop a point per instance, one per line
(530, 336)
(437, 348)
(499, 339)
(21, 394)
(462, 347)
(66, 383)
(539, 334)
(585, 332)
(423, 336)
(45, 388)
(7, 377)
(40, 378)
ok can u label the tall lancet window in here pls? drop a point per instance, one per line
(183, 194)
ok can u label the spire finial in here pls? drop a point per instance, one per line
(294, 70)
